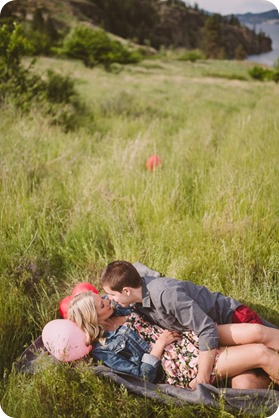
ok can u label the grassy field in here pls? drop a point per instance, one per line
(72, 202)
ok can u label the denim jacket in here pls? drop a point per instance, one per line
(125, 351)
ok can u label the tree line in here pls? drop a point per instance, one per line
(155, 23)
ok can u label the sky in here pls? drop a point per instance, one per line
(225, 7)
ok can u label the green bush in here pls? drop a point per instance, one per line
(95, 47)
(40, 42)
(56, 95)
(62, 101)
(13, 46)
(192, 55)
(262, 74)
(16, 82)
(59, 89)
(275, 76)
(257, 72)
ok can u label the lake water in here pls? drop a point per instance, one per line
(267, 58)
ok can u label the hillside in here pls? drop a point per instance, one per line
(160, 24)
(256, 18)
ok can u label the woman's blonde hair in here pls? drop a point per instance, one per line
(83, 312)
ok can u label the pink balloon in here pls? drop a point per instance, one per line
(65, 340)
(83, 287)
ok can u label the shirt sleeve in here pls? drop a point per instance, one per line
(147, 369)
(190, 316)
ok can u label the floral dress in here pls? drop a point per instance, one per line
(179, 359)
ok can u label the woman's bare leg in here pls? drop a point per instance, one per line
(235, 334)
(233, 361)
(253, 379)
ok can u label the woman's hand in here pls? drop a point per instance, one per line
(165, 338)
(168, 337)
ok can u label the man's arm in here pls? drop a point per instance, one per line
(205, 366)
(191, 317)
(186, 315)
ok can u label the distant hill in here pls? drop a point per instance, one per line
(156, 23)
(257, 18)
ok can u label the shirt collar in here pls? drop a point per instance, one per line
(146, 300)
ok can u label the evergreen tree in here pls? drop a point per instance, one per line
(240, 52)
(213, 36)
(50, 30)
(234, 21)
(38, 22)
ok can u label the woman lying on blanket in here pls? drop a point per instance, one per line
(132, 345)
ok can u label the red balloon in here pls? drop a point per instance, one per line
(79, 288)
(64, 306)
(83, 287)
(152, 162)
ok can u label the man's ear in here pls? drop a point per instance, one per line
(126, 291)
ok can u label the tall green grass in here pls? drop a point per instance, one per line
(72, 202)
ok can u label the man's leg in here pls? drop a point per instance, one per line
(239, 334)
(244, 314)
(268, 324)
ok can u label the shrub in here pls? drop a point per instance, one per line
(260, 73)
(192, 55)
(62, 101)
(275, 76)
(95, 47)
(13, 46)
(257, 72)
(59, 89)
(41, 44)
(16, 82)
(56, 95)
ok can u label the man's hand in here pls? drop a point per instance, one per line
(199, 379)
(206, 361)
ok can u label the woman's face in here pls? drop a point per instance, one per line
(103, 307)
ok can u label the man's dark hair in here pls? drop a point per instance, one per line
(119, 274)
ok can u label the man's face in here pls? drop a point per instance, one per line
(124, 298)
